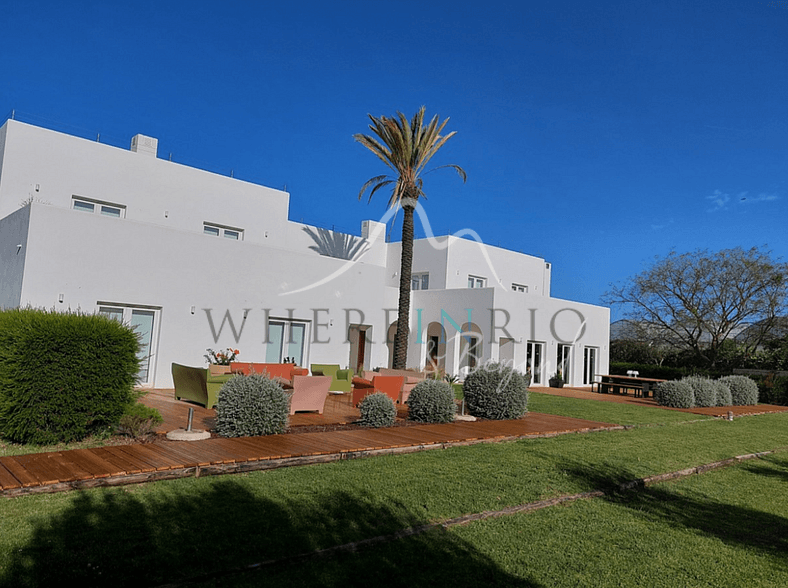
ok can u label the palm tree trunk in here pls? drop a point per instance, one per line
(403, 309)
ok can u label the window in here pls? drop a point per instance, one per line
(519, 288)
(222, 231)
(98, 207)
(287, 339)
(477, 282)
(420, 281)
(144, 321)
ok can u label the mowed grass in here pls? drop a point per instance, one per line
(165, 532)
(606, 412)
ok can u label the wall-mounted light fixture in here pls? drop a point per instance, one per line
(60, 297)
(192, 309)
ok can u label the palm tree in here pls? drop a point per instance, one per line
(406, 148)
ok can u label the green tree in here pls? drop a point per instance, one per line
(406, 148)
(697, 301)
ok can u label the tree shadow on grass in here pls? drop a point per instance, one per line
(735, 525)
(127, 538)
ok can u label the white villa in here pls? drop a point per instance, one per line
(197, 260)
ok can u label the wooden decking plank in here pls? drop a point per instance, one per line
(7, 479)
(38, 466)
(90, 461)
(158, 459)
(191, 456)
(122, 464)
(234, 447)
(75, 472)
(19, 471)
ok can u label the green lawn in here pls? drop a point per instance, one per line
(598, 410)
(723, 528)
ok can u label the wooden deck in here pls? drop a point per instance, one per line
(165, 459)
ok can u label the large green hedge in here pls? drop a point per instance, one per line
(63, 376)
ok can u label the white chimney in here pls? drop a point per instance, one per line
(143, 144)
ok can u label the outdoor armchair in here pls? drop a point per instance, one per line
(309, 393)
(197, 384)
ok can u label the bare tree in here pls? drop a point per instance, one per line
(696, 301)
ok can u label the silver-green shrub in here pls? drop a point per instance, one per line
(703, 389)
(252, 405)
(377, 410)
(432, 401)
(496, 391)
(724, 397)
(675, 394)
(744, 390)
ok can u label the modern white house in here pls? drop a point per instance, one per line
(198, 260)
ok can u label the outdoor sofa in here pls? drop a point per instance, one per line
(341, 380)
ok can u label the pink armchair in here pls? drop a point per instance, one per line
(309, 393)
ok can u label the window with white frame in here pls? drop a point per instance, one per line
(519, 288)
(223, 231)
(145, 322)
(420, 281)
(98, 207)
(287, 339)
(477, 282)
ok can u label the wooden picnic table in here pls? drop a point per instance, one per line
(623, 384)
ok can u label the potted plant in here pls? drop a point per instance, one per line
(557, 381)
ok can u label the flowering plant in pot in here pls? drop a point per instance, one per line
(557, 381)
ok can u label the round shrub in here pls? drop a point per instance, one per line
(432, 401)
(723, 394)
(675, 394)
(63, 376)
(703, 389)
(252, 405)
(496, 391)
(744, 391)
(377, 410)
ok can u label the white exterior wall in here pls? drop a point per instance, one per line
(91, 259)
(13, 251)
(518, 316)
(158, 258)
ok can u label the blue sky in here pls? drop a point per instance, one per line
(597, 136)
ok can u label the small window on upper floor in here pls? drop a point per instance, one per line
(222, 231)
(420, 281)
(98, 207)
(519, 288)
(477, 282)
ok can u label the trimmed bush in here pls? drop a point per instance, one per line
(377, 410)
(63, 376)
(496, 391)
(432, 401)
(139, 421)
(675, 394)
(724, 397)
(744, 391)
(703, 389)
(252, 405)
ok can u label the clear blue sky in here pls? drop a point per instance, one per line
(595, 135)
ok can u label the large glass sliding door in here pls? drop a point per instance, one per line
(589, 365)
(534, 354)
(144, 323)
(286, 340)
